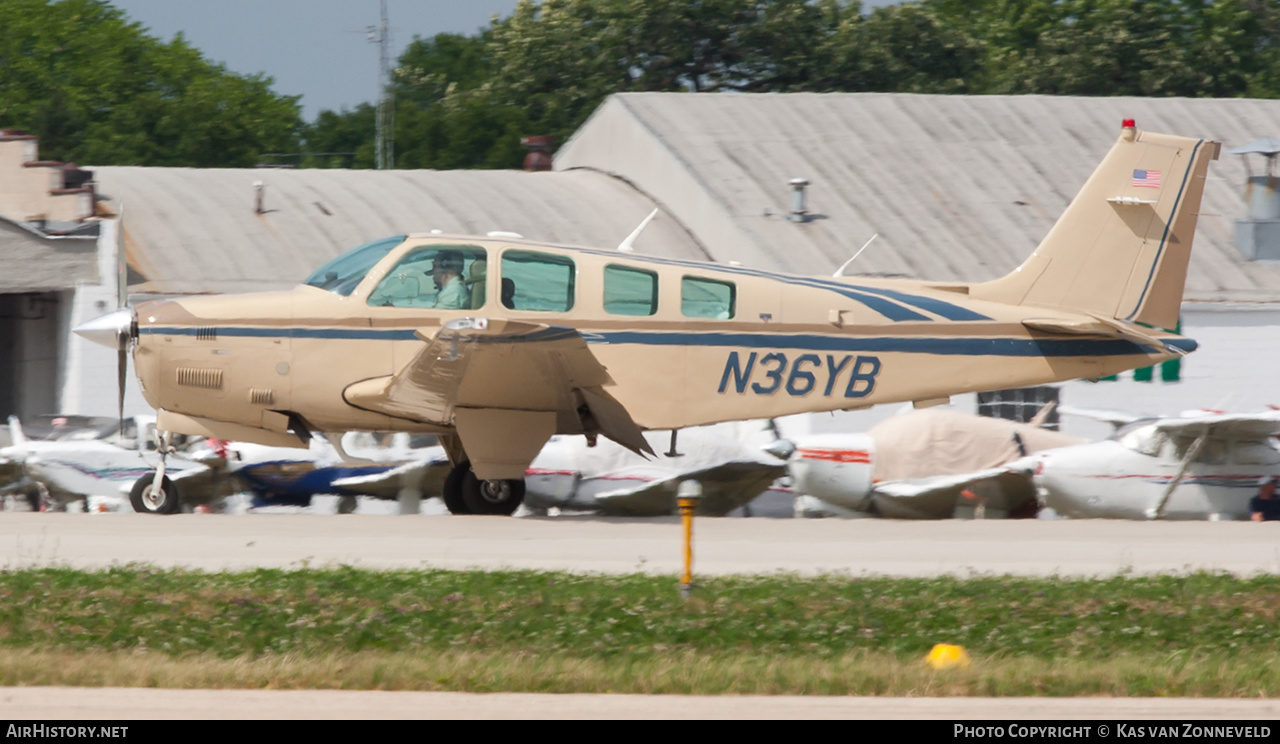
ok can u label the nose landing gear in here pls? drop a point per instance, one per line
(152, 496)
(155, 493)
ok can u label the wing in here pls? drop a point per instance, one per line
(1232, 426)
(506, 386)
(427, 476)
(1115, 418)
(725, 487)
(1000, 491)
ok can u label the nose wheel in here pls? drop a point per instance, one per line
(464, 493)
(155, 493)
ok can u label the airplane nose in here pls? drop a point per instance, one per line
(107, 330)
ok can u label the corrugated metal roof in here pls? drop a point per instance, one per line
(35, 263)
(957, 187)
(196, 230)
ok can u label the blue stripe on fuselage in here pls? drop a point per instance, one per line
(947, 345)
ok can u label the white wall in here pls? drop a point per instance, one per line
(89, 381)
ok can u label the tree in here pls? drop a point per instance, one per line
(97, 89)
(904, 49)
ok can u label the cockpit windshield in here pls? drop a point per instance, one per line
(342, 274)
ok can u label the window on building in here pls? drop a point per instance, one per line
(1021, 404)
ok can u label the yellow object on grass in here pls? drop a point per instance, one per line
(947, 656)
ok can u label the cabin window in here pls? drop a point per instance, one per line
(1212, 452)
(342, 274)
(630, 291)
(442, 277)
(1146, 440)
(1254, 453)
(707, 298)
(539, 282)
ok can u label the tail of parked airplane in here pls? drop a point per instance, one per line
(1120, 250)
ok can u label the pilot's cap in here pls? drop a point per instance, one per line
(449, 261)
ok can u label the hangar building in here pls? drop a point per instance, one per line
(953, 188)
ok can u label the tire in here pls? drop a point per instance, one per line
(499, 497)
(165, 502)
(453, 489)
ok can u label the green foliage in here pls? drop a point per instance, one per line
(97, 89)
(350, 610)
(465, 101)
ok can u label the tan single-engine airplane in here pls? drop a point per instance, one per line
(497, 343)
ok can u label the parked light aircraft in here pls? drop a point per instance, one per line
(498, 343)
(1190, 467)
(611, 479)
(288, 476)
(930, 464)
(88, 465)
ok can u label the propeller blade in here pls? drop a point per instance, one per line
(122, 372)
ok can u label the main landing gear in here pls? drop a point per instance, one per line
(464, 493)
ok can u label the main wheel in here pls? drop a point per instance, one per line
(492, 496)
(453, 489)
(163, 501)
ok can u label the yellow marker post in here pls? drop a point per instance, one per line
(687, 500)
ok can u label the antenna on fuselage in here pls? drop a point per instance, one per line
(845, 265)
(625, 245)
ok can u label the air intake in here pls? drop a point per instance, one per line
(209, 379)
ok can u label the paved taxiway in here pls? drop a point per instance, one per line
(857, 547)
(860, 546)
(52, 704)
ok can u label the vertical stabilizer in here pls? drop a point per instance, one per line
(1120, 249)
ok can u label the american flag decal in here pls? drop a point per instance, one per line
(1146, 179)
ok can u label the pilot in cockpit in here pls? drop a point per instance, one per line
(446, 272)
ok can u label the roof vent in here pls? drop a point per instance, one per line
(799, 210)
(539, 157)
(1258, 235)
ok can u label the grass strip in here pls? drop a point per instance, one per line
(683, 673)
(1201, 634)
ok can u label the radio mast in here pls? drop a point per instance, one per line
(384, 138)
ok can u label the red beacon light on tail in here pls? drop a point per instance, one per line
(1128, 130)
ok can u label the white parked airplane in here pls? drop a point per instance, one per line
(82, 465)
(927, 464)
(725, 458)
(1188, 467)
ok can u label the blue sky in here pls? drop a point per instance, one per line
(318, 49)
